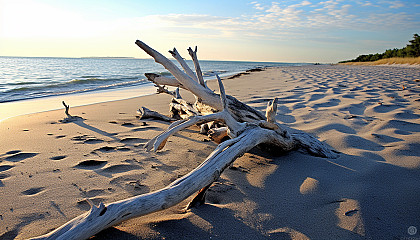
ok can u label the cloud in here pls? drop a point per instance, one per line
(257, 6)
(396, 5)
(279, 20)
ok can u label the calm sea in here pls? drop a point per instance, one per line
(35, 77)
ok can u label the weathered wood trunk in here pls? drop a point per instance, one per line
(246, 127)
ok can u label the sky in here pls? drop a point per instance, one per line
(238, 30)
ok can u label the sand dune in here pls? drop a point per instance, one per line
(369, 114)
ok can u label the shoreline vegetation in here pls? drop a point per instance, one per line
(409, 55)
(412, 61)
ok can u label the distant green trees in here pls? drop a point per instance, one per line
(411, 50)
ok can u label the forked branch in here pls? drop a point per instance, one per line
(194, 57)
(247, 127)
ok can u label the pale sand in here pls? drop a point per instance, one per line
(371, 191)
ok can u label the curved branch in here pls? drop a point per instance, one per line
(102, 217)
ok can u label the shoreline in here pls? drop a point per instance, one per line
(44, 104)
(48, 169)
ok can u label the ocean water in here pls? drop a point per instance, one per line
(36, 77)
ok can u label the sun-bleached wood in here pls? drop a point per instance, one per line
(245, 135)
(183, 64)
(194, 57)
(163, 89)
(144, 113)
(69, 118)
(240, 111)
(163, 81)
(271, 111)
(194, 87)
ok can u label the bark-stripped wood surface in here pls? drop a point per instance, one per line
(246, 127)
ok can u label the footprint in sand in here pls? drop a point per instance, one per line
(104, 149)
(385, 108)
(5, 167)
(315, 97)
(87, 139)
(127, 124)
(402, 127)
(119, 168)
(13, 151)
(386, 139)
(123, 149)
(406, 115)
(4, 176)
(358, 109)
(32, 191)
(20, 156)
(90, 164)
(329, 103)
(58, 157)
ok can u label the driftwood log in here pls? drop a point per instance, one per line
(245, 126)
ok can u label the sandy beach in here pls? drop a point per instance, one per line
(371, 115)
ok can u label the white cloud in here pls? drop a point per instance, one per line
(258, 6)
(279, 20)
(396, 4)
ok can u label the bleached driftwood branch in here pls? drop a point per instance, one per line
(144, 113)
(69, 117)
(183, 64)
(245, 135)
(194, 57)
(240, 111)
(163, 81)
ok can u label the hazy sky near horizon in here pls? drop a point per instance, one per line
(282, 31)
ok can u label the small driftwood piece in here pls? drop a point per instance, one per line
(69, 117)
(245, 135)
(163, 89)
(144, 113)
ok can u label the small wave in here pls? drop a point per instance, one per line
(19, 89)
(102, 80)
(88, 76)
(59, 89)
(20, 83)
(89, 80)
